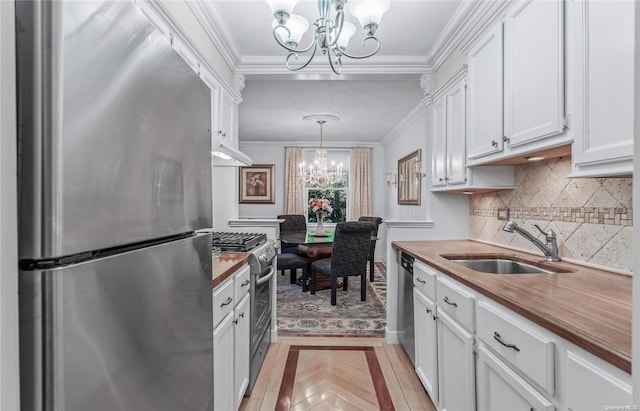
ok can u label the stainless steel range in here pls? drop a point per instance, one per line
(262, 267)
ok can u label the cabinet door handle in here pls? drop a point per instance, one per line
(242, 314)
(229, 299)
(428, 310)
(499, 339)
(446, 300)
(441, 179)
(494, 143)
(245, 283)
(235, 321)
(420, 280)
(506, 139)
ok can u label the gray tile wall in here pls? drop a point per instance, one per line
(591, 216)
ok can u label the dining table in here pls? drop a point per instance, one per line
(314, 247)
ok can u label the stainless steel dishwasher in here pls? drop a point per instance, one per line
(405, 306)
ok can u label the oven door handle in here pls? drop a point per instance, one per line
(267, 277)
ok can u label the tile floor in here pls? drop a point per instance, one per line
(336, 373)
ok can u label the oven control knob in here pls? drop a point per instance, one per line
(263, 258)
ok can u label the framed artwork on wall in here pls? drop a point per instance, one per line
(257, 184)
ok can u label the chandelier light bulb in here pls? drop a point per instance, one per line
(348, 30)
(285, 6)
(297, 26)
(369, 11)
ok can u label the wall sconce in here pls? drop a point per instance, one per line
(417, 170)
(392, 180)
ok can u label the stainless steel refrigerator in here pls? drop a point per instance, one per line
(114, 181)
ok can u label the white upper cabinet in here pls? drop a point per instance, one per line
(438, 125)
(226, 123)
(449, 129)
(485, 96)
(456, 134)
(603, 109)
(534, 71)
(516, 84)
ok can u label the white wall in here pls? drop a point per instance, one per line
(262, 153)
(414, 133)
(9, 371)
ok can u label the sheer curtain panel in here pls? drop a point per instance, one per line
(360, 182)
(292, 187)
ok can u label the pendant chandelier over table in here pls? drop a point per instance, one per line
(318, 175)
(331, 35)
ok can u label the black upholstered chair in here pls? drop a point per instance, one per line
(349, 257)
(372, 249)
(288, 259)
(292, 222)
(291, 262)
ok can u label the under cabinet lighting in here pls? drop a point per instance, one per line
(535, 158)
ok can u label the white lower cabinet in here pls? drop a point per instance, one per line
(473, 354)
(456, 377)
(223, 382)
(595, 387)
(231, 341)
(241, 349)
(426, 360)
(501, 389)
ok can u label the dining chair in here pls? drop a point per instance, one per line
(292, 222)
(288, 259)
(372, 249)
(349, 257)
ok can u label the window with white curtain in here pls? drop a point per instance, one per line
(337, 195)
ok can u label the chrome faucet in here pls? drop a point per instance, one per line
(550, 249)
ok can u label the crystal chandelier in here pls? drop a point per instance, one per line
(331, 35)
(318, 175)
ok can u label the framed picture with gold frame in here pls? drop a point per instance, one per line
(257, 184)
(409, 178)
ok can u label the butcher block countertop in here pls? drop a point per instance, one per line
(589, 307)
(227, 264)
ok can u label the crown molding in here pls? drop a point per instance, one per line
(210, 19)
(158, 10)
(338, 145)
(412, 66)
(453, 80)
(446, 42)
(486, 16)
(469, 21)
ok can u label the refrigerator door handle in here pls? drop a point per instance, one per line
(266, 277)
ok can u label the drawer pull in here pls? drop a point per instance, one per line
(245, 283)
(229, 299)
(420, 280)
(446, 300)
(499, 339)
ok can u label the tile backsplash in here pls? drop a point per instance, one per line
(591, 216)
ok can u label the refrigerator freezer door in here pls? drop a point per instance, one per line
(126, 332)
(115, 146)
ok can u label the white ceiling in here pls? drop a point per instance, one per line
(371, 96)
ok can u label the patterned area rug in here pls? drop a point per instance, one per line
(303, 313)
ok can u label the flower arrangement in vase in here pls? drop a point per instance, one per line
(320, 206)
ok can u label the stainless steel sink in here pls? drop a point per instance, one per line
(501, 266)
